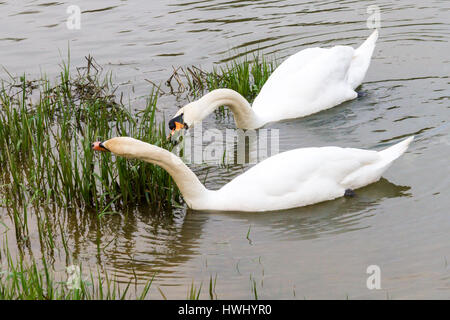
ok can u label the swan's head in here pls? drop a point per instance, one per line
(176, 124)
(122, 146)
(186, 117)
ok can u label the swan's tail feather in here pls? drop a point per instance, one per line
(395, 151)
(369, 44)
(372, 172)
(361, 60)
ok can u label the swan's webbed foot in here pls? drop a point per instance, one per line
(349, 193)
(361, 94)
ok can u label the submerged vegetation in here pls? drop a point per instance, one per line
(49, 176)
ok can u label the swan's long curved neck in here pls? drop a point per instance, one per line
(244, 116)
(188, 183)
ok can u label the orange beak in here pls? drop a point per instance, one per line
(98, 146)
(178, 126)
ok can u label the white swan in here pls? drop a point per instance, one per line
(310, 81)
(290, 179)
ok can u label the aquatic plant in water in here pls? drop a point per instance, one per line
(45, 144)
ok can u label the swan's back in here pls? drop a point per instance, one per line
(312, 80)
(305, 176)
(296, 178)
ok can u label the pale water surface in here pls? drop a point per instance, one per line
(401, 223)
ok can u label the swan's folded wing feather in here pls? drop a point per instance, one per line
(297, 177)
(299, 88)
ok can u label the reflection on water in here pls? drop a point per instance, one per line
(318, 251)
(331, 217)
(150, 242)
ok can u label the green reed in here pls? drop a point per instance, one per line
(30, 281)
(46, 133)
(194, 292)
(246, 76)
(48, 171)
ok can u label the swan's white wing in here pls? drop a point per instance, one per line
(302, 177)
(310, 81)
(297, 178)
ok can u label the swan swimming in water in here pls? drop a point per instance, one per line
(287, 180)
(309, 81)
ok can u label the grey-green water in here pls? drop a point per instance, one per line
(400, 224)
